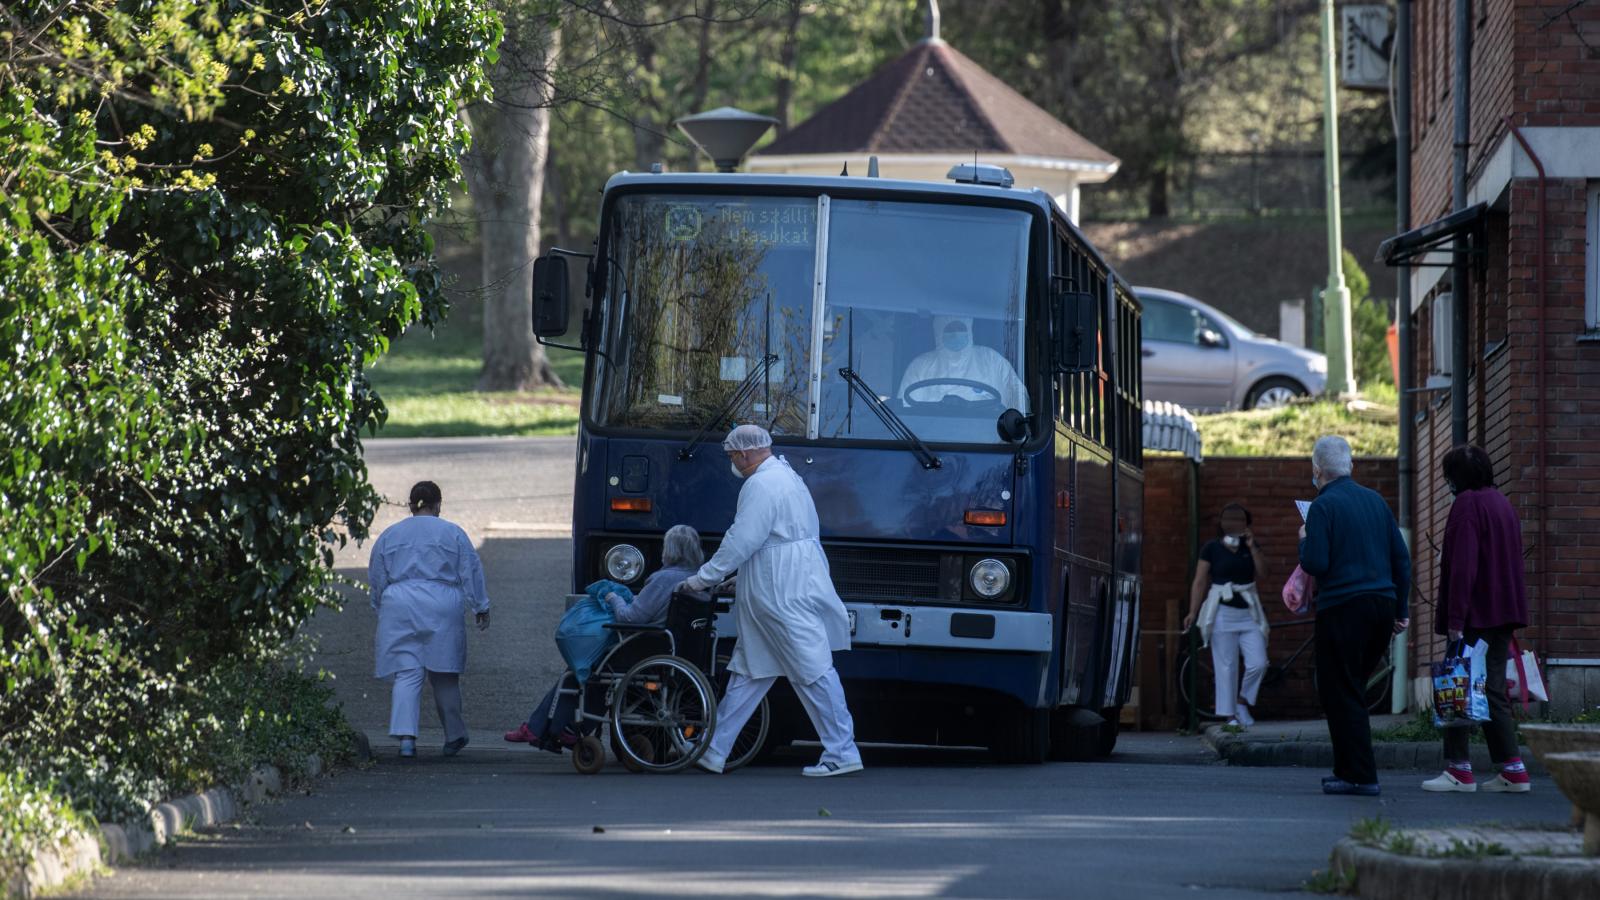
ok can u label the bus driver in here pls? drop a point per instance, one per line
(955, 356)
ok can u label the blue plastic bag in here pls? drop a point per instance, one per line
(1459, 680)
(582, 636)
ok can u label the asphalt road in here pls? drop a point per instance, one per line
(1156, 820)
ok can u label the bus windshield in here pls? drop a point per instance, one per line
(925, 302)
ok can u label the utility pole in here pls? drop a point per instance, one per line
(1336, 297)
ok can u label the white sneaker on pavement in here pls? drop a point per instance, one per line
(1447, 782)
(711, 763)
(829, 769)
(1502, 785)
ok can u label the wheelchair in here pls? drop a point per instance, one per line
(654, 694)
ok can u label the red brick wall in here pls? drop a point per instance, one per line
(1527, 61)
(1268, 487)
(1506, 423)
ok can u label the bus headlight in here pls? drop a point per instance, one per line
(624, 563)
(989, 578)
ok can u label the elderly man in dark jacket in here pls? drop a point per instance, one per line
(1352, 546)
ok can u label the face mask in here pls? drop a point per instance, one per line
(957, 341)
(735, 467)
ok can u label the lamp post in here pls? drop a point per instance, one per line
(1335, 297)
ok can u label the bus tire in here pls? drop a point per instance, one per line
(1071, 742)
(1109, 730)
(1024, 739)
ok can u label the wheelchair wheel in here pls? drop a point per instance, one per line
(642, 748)
(589, 755)
(665, 704)
(752, 737)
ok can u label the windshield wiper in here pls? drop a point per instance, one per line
(742, 393)
(889, 419)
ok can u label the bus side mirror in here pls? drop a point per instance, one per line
(1075, 331)
(551, 306)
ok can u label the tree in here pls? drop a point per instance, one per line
(506, 175)
(212, 220)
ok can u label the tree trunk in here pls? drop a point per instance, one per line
(649, 131)
(784, 90)
(511, 139)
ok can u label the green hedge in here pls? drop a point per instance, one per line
(212, 220)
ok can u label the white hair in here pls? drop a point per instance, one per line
(1331, 455)
(680, 548)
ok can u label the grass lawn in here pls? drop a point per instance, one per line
(427, 382)
(1291, 430)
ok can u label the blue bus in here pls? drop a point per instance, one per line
(952, 369)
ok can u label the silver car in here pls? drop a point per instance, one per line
(1199, 358)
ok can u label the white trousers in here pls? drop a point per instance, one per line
(405, 703)
(823, 700)
(1236, 633)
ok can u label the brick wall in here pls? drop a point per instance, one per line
(1528, 60)
(1268, 487)
(1506, 421)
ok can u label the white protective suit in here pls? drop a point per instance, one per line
(970, 363)
(790, 617)
(424, 572)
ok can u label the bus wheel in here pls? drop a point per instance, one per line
(1070, 739)
(1024, 737)
(1109, 731)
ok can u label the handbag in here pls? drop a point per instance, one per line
(1522, 676)
(1298, 590)
(1459, 696)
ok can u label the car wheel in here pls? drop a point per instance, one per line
(1274, 392)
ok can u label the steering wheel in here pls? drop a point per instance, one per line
(990, 390)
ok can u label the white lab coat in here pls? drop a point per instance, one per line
(790, 618)
(975, 363)
(423, 574)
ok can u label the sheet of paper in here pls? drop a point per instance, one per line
(1305, 508)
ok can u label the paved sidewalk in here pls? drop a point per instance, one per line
(1305, 743)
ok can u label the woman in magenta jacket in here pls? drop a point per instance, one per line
(1482, 596)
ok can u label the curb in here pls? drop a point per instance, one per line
(1236, 750)
(86, 853)
(1387, 876)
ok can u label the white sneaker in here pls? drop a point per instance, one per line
(1502, 785)
(712, 764)
(829, 769)
(1238, 723)
(1242, 713)
(1447, 782)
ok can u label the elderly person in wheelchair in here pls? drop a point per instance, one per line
(549, 727)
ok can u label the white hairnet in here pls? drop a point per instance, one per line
(680, 547)
(747, 437)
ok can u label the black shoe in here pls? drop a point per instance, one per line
(454, 747)
(1340, 786)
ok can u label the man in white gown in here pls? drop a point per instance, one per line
(790, 618)
(955, 356)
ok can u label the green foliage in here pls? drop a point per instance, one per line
(1473, 849)
(1331, 881)
(1369, 324)
(1375, 831)
(212, 220)
(31, 818)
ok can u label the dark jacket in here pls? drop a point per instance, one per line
(1481, 582)
(1353, 547)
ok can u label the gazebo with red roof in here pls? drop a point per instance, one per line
(934, 108)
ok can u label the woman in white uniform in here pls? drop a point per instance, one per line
(1225, 603)
(423, 574)
(790, 618)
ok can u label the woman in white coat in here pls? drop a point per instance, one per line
(790, 618)
(424, 572)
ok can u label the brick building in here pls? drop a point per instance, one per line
(1533, 304)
